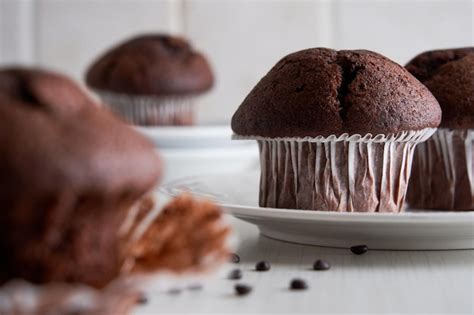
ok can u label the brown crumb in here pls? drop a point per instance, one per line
(188, 235)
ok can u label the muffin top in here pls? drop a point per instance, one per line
(154, 64)
(55, 140)
(70, 171)
(449, 75)
(322, 92)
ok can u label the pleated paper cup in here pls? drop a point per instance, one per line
(346, 173)
(146, 110)
(443, 172)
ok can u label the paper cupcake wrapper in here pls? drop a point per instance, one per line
(150, 110)
(443, 172)
(347, 173)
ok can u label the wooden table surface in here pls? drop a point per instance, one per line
(378, 282)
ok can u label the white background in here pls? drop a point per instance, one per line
(243, 39)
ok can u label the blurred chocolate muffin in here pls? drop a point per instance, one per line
(443, 167)
(336, 130)
(70, 172)
(151, 79)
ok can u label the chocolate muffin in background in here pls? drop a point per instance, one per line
(151, 79)
(336, 130)
(75, 185)
(443, 166)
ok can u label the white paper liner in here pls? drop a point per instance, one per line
(145, 110)
(443, 170)
(349, 173)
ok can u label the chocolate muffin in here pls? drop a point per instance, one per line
(443, 166)
(70, 172)
(151, 79)
(336, 130)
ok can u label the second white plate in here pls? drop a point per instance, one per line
(421, 230)
(184, 137)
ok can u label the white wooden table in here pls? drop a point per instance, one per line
(378, 282)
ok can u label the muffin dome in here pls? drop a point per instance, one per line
(449, 75)
(320, 92)
(69, 173)
(156, 64)
(43, 89)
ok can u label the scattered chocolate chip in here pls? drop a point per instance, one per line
(174, 291)
(262, 266)
(298, 284)
(242, 289)
(142, 299)
(195, 287)
(321, 265)
(235, 274)
(234, 258)
(359, 249)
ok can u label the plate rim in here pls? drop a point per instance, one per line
(424, 216)
(191, 137)
(188, 131)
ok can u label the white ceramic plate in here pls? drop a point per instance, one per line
(420, 230)
(190, 136)
(197, 161)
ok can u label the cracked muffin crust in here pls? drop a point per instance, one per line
(320, 92)
(426, 64)
(449, 75)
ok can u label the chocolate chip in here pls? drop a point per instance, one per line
(235, 274)
(321, 265)
(298, 284)
(242, 289)
(234, 258)
(262, 266)
(142, 299)
(195, 287)
(174, 291)
(359, 249)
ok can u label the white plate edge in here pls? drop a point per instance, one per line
(426, 217)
